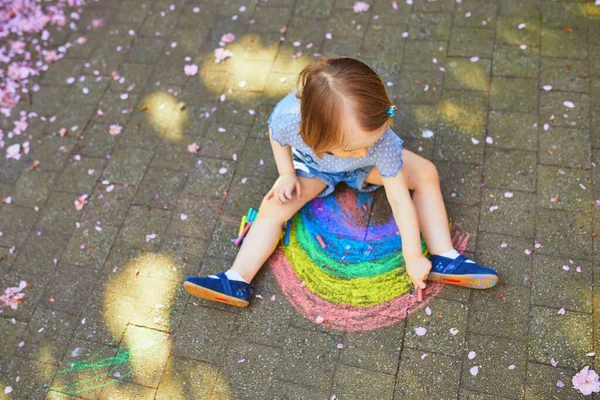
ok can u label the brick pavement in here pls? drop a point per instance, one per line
(104, 314)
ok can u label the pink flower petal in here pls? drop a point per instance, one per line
(420, 331)
(474, 370)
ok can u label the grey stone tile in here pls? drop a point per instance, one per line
(506, 254)
(511, 169)
(566, 338)
(501, 365)
(356, 383)
(308, 358)
(423, 375)
(510, 216)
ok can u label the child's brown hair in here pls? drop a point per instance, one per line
(323, 88)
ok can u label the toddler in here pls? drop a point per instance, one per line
(337, 128)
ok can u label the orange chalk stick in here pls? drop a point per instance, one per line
(321, 242)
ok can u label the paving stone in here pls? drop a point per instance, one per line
(39, 253)
(203, 334)
(513, 130)
(199, 222)
(88, 92)
(510, 316)
(357, 383)
(77, 178)
(284, 390)
(249, 369)
(514, 95)
(513, 216)
(146, 352)
(566, 338)
(469, 42)
(466, 219)
(508, 32)
(136, 76)
(511, 169)
(555, 287)
(558, 43)
(564, 232)
(446, 316)
(164, 23)
(182, 257)
(245, 195)
(468, 395)
(384, 39)
(140, 222)
(116, 388)
(464, 74)
(473, 14)
(47, 335)
(29, 379)
(308, 358)
(257, 160)
(109, 208)
(210, 178)
(146, 50)
(456, 143)
(374, 350)
(183, 376)
(32, 188)
(127, 165)
(59, 214)
(459, 182)
(106, 318)
(434, 6)
(51, 161)
(493, 358)
(159, 188)
(61, 71)
(11, 337)
(83, 370)
(223, 142)
(419, 55)
(390, 15)
(514, 62)
(428, 26)
(562, 15)
(566, 75)
(69, 288)
(542, 382)
(89, 247)
(423, 374)
(345, 24)
(510, 261)
(564, 184)
(257, 323)
(420, 87)
(117, 107)
(97, 142)
(552, 104)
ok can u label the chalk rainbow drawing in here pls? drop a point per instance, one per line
(358, 282)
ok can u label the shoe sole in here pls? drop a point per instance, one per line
(471, 281)
(211, 295)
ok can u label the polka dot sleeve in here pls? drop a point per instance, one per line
(389, 159)
(279, 127)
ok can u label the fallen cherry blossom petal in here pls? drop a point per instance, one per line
(360, 6)
(150, 236)
(474, 370)
(453, 331)
(568, 104)
(420, 331)
(115, 129)
(471, 355)
(508, 195)
(190, 69)
(319, 319)
(561, 311)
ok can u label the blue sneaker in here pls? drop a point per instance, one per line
(461, 273)
(235, 293)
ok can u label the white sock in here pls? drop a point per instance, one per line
(453, 254)
(232, 275)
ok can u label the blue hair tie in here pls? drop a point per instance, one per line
(390, 111)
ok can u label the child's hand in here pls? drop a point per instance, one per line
(418, 270)
(284, 187)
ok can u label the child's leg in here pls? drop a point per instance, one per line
(421, 176)
(447, 265)
(264, 234)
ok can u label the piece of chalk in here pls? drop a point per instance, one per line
(249, 214)
(321, 242)
(419, 295)
(288, 228)
(242, 225)
(254, 214)
(238, 241)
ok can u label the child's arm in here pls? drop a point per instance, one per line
(396, 190)
(283, 156)
(287, 182)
